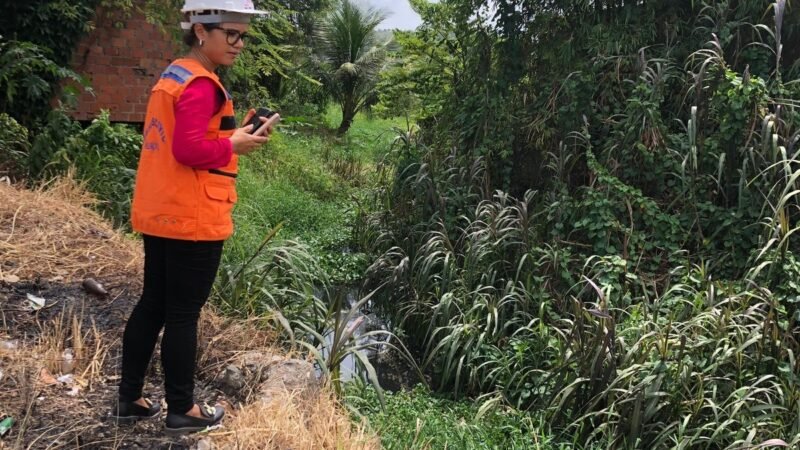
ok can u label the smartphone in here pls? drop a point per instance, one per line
(256, 120)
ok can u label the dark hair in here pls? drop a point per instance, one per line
(190, 37)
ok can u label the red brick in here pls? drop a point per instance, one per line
(118, 61)
(109, 57)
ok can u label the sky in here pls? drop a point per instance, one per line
(400, 14)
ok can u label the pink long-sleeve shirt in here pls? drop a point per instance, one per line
(200, 101)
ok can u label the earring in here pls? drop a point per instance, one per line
(202, 42)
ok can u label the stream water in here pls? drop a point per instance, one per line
(393, 372)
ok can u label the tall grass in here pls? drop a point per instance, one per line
(647, 296)
(293, 251)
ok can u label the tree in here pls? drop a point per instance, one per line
(351, 57)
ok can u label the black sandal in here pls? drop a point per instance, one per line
(130, 412)
(178, 424)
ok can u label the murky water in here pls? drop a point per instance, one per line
(363, 322)
(393, 372)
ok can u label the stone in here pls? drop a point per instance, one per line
(232, 380)
(204, 444)
(11, 279)
(290, 376)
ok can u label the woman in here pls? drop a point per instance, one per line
(185, 192)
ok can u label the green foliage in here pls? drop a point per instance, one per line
(292, 257)
(350, 57)
(52, 136)
(337, 335)
(397, 89)
(103, 155)
(27, 77)
(630, 278)
(275, 281)
(287, 183)
(420, 420)
(275, 68)
(267, 59)
(165, 13)
(37, 44)
(56, 25)
(14, 147)
(38, 40)
(309, 180)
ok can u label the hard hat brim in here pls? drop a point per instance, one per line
(240, 11)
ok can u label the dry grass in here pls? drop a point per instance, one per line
(49, 232)
(222, 338)
(291, 419)
(42, 359)
(286, 422)
(90, 347)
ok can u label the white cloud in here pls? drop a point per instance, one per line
(399, 11)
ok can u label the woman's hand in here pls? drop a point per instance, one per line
(244, 141)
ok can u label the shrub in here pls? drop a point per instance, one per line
(27, 79)
(103, 155)
(14, 147)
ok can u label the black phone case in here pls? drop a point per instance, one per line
(256, 120)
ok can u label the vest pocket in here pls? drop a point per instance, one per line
(217, 209)
(221, 193)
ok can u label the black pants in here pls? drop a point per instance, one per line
(178, 276)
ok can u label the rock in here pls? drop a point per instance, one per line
(232, 380)
(204, 444)
(254, 366)
(92, 286)
(253, 358)
(11, 279)
(269, 377)
(290, 376)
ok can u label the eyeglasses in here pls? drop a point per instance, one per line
(231, 35)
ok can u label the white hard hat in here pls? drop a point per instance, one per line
(217, 11)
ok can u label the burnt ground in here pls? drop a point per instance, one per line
(74, 413)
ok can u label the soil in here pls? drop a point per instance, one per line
(48, 417)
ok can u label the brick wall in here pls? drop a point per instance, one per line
(122, 60)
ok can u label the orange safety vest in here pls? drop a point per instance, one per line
(170, 199)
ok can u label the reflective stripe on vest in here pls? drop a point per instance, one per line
(176, 201)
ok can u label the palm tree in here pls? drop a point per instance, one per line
(351, 57)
